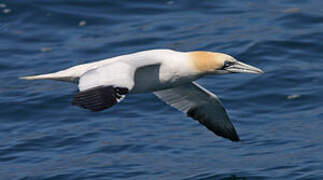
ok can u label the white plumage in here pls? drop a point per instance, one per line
(169, 74)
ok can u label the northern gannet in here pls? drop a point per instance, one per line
(169, 74)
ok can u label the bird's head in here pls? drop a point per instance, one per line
(219, 63)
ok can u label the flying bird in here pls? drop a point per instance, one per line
(169, 74)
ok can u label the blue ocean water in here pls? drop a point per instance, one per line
(278, 115)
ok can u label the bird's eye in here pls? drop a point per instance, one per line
(227, 64)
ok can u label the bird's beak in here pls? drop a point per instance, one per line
(240, 67)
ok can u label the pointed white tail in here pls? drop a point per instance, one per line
(71, 74)
(58, 76)
(42, 76)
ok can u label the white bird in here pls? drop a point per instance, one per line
(169, 74)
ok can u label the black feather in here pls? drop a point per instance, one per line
(99, 98)
(220, 127)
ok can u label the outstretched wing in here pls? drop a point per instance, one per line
(202, 105)
(104, 87)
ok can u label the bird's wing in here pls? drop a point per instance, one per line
(202, 105)
(104, 87)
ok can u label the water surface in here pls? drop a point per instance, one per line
(278, 115)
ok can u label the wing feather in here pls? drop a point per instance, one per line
(117, 74)
(103, 87)
(202, 105)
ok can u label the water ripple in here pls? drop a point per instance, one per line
(277, 115)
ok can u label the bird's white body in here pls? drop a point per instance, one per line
(155, 70)
(167, 69)
(167, 73)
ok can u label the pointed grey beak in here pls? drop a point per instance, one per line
(240, 67)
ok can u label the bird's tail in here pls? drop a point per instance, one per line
(71, 74)
(58, 76)
(41, 76)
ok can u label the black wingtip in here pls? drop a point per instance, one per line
(234, 138)
(231, 134)
(99, 98)
(221, 127)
